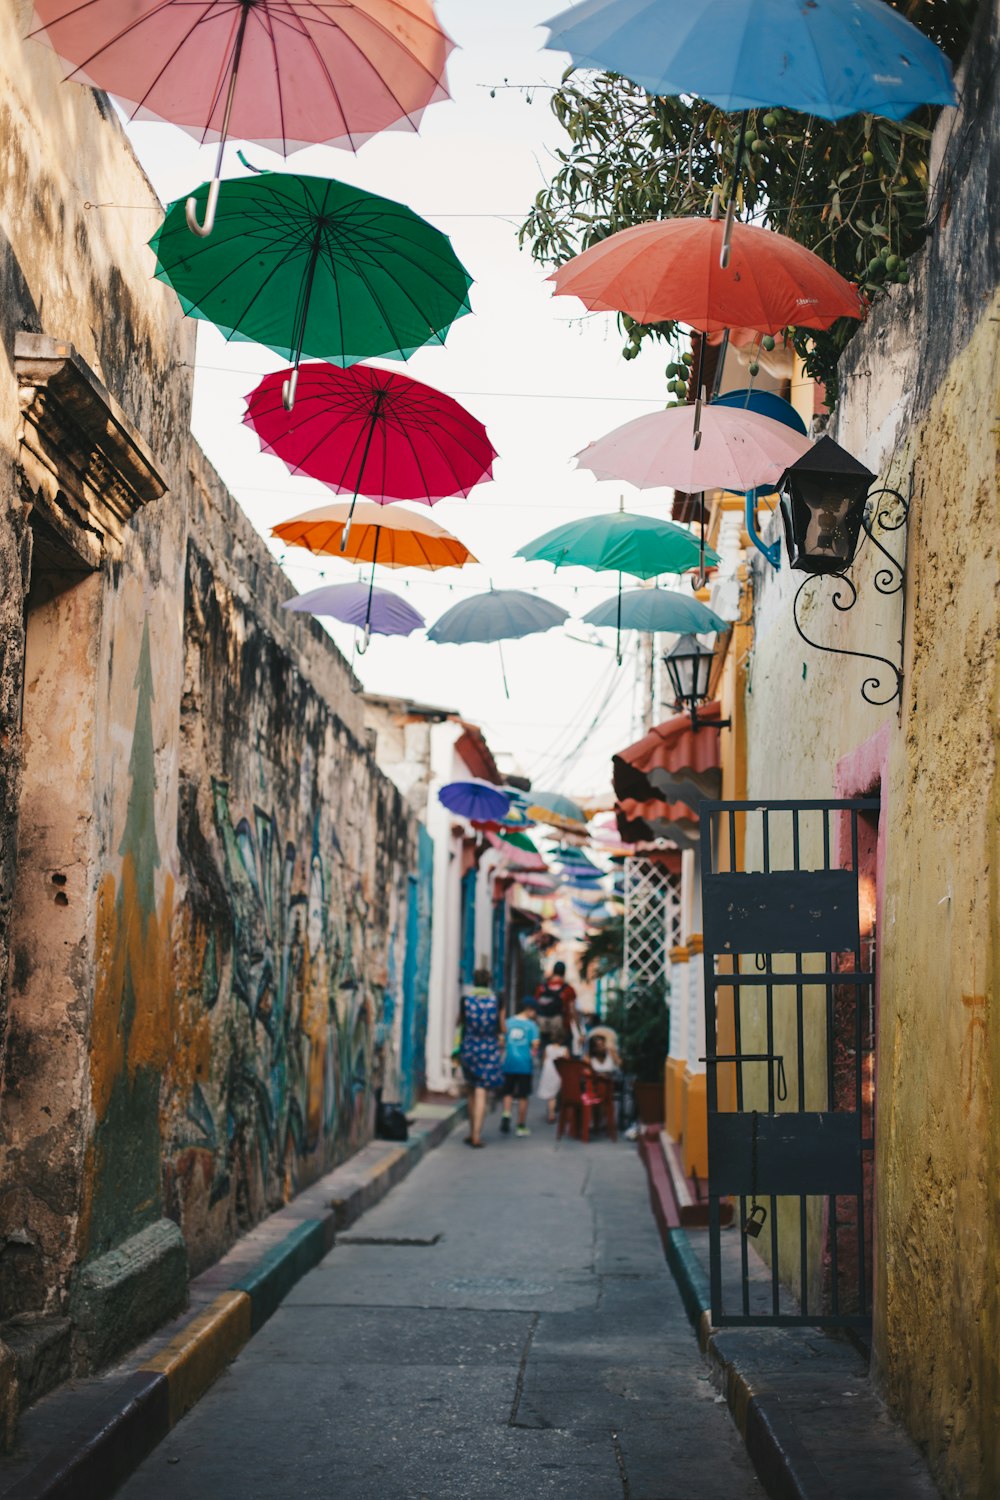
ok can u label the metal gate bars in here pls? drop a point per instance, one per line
(789, 1011)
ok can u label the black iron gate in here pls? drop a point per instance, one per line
(789, 1012)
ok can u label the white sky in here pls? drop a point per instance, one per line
(544, 381)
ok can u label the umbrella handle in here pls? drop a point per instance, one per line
(288, 389)
(362, 646)
(696, 436)
(727, 234)
(191, 211)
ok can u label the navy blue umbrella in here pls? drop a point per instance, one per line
(479, 801)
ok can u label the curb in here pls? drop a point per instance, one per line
(135, 1409)
(785, 1470)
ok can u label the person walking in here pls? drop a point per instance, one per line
(482, 1027)
(520, 1049)
(555, 1005)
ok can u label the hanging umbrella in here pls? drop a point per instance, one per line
(620, 541)
(829, 57)
(554, 808)
(644, 546)
(305, 265)
(474, 799)
(283, 73)
(362, 604)
(365, 431)
(499, 615)
(391, 536)
(739, 450)
(670, 269)
(652, 610)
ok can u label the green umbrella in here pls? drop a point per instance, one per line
(621, 542)
(310, 266)
(644, 546)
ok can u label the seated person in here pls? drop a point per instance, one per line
(599, 1055)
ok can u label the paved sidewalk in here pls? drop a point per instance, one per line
(502, 1325)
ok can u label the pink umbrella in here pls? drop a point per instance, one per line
(739, 450)
(309, 71)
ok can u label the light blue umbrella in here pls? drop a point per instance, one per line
(500, 615)
(655, 609)
(828, 57)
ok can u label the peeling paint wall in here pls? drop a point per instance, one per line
(920, 403)
(203, 874)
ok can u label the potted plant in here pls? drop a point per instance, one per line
(641, 1017)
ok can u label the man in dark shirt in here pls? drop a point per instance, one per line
(555, 1005)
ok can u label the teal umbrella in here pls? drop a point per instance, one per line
(652, 610)
(306, 265)
(620, 541)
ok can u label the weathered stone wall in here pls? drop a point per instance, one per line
(203, 875)
(919, 405)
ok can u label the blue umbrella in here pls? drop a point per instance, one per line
(828, 57)
(500, 615)
(479, 801)
(373, 609)
(655, 609)
(767, 404)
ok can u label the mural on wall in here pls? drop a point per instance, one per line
(292, 850)
(129, 1037)
(282, 999)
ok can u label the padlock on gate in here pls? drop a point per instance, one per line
(754, 1221)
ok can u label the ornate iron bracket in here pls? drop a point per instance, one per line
(889, 579)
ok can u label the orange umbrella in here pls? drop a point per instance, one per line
(669, 270)
(390, 535)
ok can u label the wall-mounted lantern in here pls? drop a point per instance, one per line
(689, 667)
(823, 499)
(827, 501)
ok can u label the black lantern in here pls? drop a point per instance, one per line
(689, 666)
(823, 505)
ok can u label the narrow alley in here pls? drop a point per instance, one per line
(503, 1325)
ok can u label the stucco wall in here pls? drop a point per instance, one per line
(919, 404)
(203, 875)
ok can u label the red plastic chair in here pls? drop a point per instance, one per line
(583, 1097)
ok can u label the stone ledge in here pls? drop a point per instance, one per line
(123, 1296)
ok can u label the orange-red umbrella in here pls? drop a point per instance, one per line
(669, 270)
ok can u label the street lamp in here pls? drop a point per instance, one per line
(689, 665)
(823, 506)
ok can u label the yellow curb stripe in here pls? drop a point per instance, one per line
(386, 1163)
(200, 1352)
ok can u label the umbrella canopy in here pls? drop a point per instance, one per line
(392, 536)
(652, 610)
(283, 73)
(829, 57)
(670, 269)
(553, 807)
(620, 541)
(377, 610)
(500, 615)
(739, 450)
(305, 265)
(369, 432)
(474, 799)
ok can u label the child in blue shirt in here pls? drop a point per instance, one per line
(520, 1047)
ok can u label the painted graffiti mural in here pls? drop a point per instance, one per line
(287, 988)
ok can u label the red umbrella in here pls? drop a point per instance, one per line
(669, 270)
(364, 431)
(308, 71)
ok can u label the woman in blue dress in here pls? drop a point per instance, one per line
(482, 1027)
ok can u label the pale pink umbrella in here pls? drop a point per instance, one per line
(282, 73)
(739, 450)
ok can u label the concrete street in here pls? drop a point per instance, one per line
(502, 1325)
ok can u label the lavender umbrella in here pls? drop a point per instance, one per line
(362, 604)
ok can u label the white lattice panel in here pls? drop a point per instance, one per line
(652, 921)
